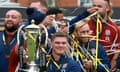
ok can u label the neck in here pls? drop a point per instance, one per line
(104, 17)
(56, 57)
(83, 44)
(10, 33)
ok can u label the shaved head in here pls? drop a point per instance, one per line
(13, 19)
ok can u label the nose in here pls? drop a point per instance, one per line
(60, 44)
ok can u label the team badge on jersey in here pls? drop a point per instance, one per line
(107, 33)
(64, 67)
(93, 51)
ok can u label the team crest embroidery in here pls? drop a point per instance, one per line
(64, 67)
(107, 33)
(93, 51)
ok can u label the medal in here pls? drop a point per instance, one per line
(8, 45)
(7, 56)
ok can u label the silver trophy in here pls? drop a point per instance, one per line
(32, 32)
(31, 54)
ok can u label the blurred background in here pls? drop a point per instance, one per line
(70, 8)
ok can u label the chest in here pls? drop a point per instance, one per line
(106, 32)
(7, 43)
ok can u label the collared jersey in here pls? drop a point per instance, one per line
(65, 64)
(109, 36)
(5, 49)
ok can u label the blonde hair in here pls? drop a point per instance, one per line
(80, 24)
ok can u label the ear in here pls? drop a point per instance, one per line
(108, 8)
(20, 22)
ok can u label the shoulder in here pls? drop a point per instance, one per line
(93, 45)
(73, 66)
(1, 32)
(72, 62)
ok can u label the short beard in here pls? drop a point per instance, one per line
(102, 16)
(11, 29)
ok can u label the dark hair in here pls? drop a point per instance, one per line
(54, 11)
(59, 34)
(35, 15)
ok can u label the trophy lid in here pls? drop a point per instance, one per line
(32, 25)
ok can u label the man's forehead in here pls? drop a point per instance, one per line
(34, 4)
(60, 38)
(13, 12)
(99, 1)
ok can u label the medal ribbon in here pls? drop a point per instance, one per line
(9, 46)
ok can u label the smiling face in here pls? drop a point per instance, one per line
(59, 45)
(12, 20)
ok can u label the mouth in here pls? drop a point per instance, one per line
(60, 48)
(9, 23)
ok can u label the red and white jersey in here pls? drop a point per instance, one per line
(109, 34)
